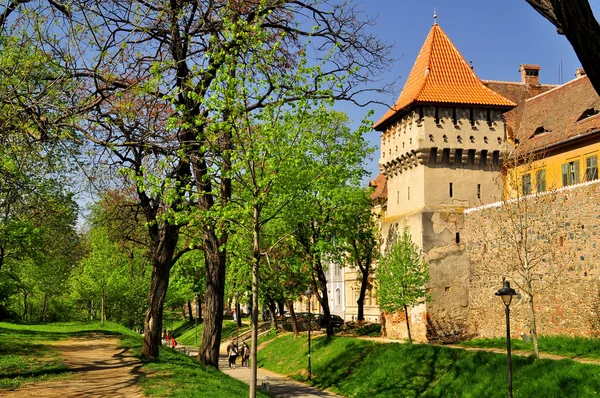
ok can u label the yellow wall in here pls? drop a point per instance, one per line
(553, 168)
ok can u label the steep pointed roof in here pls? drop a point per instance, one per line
(441, 75)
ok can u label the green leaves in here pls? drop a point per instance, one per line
(402, 275)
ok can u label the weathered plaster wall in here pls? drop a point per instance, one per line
(568, 306)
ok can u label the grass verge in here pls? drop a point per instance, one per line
(26, 355)
(359, 368)
(572, 347)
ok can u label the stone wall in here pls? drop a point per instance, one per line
(563, 232)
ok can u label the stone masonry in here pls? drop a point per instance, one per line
(569, 277)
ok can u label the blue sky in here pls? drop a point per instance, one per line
(498, 35)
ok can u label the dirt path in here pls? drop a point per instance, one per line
(99, 369)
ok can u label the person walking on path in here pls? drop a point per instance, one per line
(245, 355)
(173, 342)
(232, 353)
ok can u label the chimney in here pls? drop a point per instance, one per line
(530, 74)
(579, 72)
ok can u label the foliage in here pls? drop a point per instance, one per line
(359, 368)
(402, 275)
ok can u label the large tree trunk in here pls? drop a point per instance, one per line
(163, 250)
(281, 308)
(324, 297)
(364, 281)
(215, 293)
(154, 313)
(575, 19)
(293, 318)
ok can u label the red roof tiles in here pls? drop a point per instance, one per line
(561, 112)
(441, 75)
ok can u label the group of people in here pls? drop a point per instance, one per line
(169, 337)
(233, 351)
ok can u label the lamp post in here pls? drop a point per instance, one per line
(237, 327)
(309, 294)
(507, 293)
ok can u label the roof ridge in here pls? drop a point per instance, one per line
(556, 88)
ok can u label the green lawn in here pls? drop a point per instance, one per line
(359, 368)
(573, 347)
(186, 334)
(26, 355)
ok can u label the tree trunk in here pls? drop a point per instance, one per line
(575, 19)
(102, 308)
(44, 305)
(25, 305)
(364, 281)
(324, 298)
(255, 279)
(274, 319)
(407, 324)
(154, 313)
(215, 293)
(281, 308)
(189, 305)
(293, 318)
(199, 308)
(533, 328)
(238, 314)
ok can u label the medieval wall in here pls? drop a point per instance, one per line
(567, 222)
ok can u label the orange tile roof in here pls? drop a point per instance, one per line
(441, 75)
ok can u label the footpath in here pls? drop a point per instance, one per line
(273, 383)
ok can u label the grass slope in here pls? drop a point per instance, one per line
(26, 355)
(359, 368)
(186, 334)
(573, 347)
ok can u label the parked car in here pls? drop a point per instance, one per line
(336, 321)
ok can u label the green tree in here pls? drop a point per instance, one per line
(163, 108)
(359, 237)
(402, 277)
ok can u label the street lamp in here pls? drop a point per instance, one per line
(507, 293)
(309, 294)
(237, 327)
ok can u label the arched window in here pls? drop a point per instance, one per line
(338, 296)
